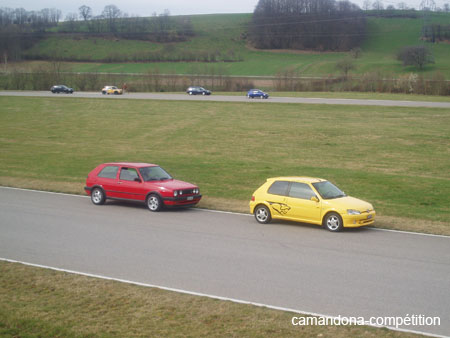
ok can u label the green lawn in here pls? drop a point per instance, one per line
(396, 158)
(225, 33)
(351, 95)
(36, 302)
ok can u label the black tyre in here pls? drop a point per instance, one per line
(154, 203)
(98, 196)
(262, 214)
(333, 222)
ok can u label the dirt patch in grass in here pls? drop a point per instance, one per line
(224, 204)
(412, 224)
(43, 185)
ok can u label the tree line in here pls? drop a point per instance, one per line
(159, 28)
(20, 29)
(436, 32)
(322, 25)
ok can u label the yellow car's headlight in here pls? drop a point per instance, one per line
(353, 212)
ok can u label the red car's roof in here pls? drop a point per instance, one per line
(132, 164)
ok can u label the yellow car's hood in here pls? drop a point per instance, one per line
(348, 202)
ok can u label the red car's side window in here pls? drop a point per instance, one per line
(128, 174)
(108, 172)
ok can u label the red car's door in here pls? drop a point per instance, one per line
(130, 184)
(107, 179)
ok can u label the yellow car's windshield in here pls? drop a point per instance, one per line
(328, 190)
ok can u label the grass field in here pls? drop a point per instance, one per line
(396, 158)
(224, 32)
(351, 95)
(36, 302)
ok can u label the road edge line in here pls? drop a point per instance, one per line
(199, 294)
(231, 212)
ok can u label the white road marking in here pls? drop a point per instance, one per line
(239, 301)
(229, 212)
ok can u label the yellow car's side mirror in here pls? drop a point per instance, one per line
(315, 199)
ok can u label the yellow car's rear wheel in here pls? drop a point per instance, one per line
(262, 214)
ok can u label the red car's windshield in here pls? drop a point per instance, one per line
(154, 174)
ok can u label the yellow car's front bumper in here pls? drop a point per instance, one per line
(354, 221)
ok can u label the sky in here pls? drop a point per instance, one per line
(144, 8)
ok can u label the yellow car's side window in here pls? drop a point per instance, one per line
(301, 190)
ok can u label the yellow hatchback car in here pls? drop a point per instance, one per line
(309, 200)
(111, 90)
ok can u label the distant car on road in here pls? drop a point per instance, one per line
(252, 93)
(309, 200)
(143, 182)
(198, 91)
(61, 89)
(111, 90)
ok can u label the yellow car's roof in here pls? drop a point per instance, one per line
(302, 179)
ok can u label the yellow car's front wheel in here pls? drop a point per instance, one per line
(262, 214)
(333, 222)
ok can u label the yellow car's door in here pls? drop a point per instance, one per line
(302, 207)
(276, 198)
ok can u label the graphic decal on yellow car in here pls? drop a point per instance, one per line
(281, 208)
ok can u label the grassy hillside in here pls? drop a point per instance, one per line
(225, 34)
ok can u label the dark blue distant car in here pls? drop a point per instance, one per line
(61, 89)
(198, 91)
(252, 93)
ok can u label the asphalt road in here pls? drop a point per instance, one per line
(223, 98)
(361, 272)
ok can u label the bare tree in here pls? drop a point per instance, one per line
(428, 5)
(378, 5)
(20, 16)
(55, 15)
(307, 24)
(70, 20)
(356, 52)
(111, 13)
(345, 65)
(367, 5)
(417, 56)
(85, 12)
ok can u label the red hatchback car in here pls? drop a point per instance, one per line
(144, 182)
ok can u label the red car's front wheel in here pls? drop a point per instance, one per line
(154, 202)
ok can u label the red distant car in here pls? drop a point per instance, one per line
(144, 182)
